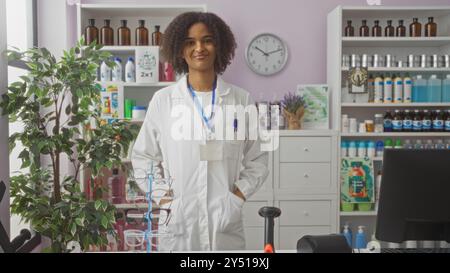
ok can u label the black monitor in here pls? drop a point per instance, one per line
(414, 199)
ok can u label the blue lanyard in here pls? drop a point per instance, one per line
(200, 108)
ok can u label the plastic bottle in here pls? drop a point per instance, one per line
(387, 122)
(388, 144)
(344, 149)
(378, 89)
(352, 149)
(379, 148)
(379, 123)
(117, 70)
(105, 72)
(345, 124)
(123, 34)
(407, 89)
(130, 71)
(407, 122)
(426, 121)
(107, 34)
(434, 89)
(417, 122)
(415, 28)
(360, 240)
(408, 144)
(362, 149)
(438, 121)
(439, 145)
(419, 89)
(447, 122)
(371, 151)
(446, 89)
(430, 28)
(116, 187)
(418, 145)
(141, 34)
(398, 144)
(387, 98)
(91, 33)
(429, 145)
(397, 122)
(347, 234)
(398, 89)
(371, 88)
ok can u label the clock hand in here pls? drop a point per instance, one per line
(265, 54)
(274, 51)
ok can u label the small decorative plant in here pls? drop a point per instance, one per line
(54, 101)
(293, 109)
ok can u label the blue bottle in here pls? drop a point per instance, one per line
(344, 149)
(419, 89)
(347, 232)
(360, 240)
(446, 89)
(379, 148)
(434, 89)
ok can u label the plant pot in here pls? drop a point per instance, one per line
(294, 120)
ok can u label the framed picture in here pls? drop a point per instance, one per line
(317, 106)
(357, 78)
(357, 183)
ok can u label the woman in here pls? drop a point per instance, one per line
(212, 178)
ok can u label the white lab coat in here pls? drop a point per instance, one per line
(206, 215)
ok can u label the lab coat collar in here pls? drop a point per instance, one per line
(181, 90)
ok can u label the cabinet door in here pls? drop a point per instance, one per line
(254, 238)
(306, 213)
(305, 149)
(306, 178)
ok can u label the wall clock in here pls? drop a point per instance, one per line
(266, 54)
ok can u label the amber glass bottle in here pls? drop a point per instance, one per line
(376, 29)
(141, 34)
(107, 34)
(389, 30)
(91, 32)
(364, 29)
(401, 29)
(415, 28)
(349, 29)
(157, 36)
(123, 34)
(430, 28)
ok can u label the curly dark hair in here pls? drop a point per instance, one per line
(177, 31)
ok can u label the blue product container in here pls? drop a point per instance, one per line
(446, 89)
(434, 89)
(360, 240)
(419, 89)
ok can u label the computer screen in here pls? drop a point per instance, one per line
(414, 199)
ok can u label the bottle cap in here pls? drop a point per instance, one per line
(388, 142)
(380, 143)
(344, 144)
(141, 23)
(92, 22)
(130, 59)
(107, 22)
(123, 23)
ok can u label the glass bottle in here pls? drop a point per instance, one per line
(401, 29)
(349, 29)
(107, 34)
(415, 28)
(123, 34)
(157, 36)
(141, 34)
(430, 28)
(389, 30)
(376, 29)
(91, 32)
(364, 29)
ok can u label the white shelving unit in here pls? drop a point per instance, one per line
(400, 47)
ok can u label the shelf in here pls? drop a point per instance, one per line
(405, 69)
(358, 213)
(403, 134)
(395, 41)
(380, 12)
(120, 49)
(393, 105)
(373, 158)
(135, 84)
(137, 10)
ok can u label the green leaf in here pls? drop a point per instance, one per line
(105, 222)
(79, 221)
(98, 204)
(73, 229)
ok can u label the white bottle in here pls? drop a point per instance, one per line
(130, 71)
(407, 89)
(117, 70)
(387, 90)
(105, 73)
(345, 124)
(398, 90)
(378, 89)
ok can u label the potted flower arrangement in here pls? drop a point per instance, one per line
(293, 110)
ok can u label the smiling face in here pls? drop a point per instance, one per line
(199, 50)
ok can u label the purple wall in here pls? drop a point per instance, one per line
(302, 24)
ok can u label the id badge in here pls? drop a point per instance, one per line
(212, 150)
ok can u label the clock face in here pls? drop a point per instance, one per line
(266, 54)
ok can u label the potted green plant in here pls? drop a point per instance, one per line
(293, 110)
(54, 101)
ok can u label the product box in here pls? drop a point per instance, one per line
(147, 64)
(316, 106)
(357, 180)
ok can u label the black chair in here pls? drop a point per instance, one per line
(24, 242)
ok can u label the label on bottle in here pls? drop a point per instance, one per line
(407, 124)
(387, 124)
(417, 125)
(447, 125)
(438, 124)
(426, 124)
(397, 125)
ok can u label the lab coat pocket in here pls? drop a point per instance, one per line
(174, 225)
(231, 219)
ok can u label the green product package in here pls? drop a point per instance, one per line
(128, 107)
